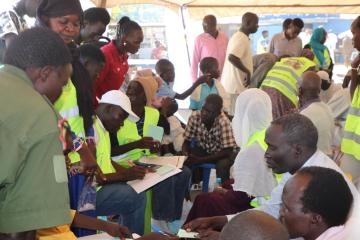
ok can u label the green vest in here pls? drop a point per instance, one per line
(351, 141)
(259, 137)
(327, 62)
(285, 76)
(129, 133)
(67, 107)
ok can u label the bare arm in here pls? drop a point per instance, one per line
(238, 64)
(354, 75)
(188, 92)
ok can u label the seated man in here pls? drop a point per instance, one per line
(316, 204)
(292, 144)
(317, 111)
(209, 138)
(257, 225)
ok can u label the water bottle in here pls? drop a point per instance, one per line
(212, 180)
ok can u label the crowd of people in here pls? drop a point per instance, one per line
(283, 138)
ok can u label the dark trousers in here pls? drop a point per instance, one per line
(223, 165)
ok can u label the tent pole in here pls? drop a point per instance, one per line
(185, 35)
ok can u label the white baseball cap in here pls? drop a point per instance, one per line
(118, 98)
(323, 75)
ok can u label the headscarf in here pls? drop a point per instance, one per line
(317, 47)
(59, 8)
(151, 85)
(253, 112)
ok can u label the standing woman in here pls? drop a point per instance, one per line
(350, 144)
(76, 101)
(129, 36)
(322, 57)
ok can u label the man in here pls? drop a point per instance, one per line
(95, 21)
(309, 207)
(238, 66)
(12, 21)
(317, 111)
(263, 43)
(115, 197)
(33, 179)
(291, 141)
(211, 43)
(283, 80)
(209, 138)
(328, 87)
(256, 225)
(287, 43)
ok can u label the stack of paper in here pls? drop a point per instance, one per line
(170, 166)
(176, 161)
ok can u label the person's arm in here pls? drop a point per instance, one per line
(113, 229)
(225, 153)
(143, 143)
(271, 46)
(354, 75)
(206, 223)
(186, 148)
(195, 60)
(238, 64)
(188, 92)
(12, 155)
(124, 174)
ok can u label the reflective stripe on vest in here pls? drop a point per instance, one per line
(129, 133)
(285, 76)
(67, 106)
(351, 141)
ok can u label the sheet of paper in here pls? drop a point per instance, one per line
(150, 180)
(176, 161)
(105, 236)
(184, 234)
(155, 132)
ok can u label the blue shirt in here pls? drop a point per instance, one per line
(166, 90)
(205, 91)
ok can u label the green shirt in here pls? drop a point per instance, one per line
(33, 180)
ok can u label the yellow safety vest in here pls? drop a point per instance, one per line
(67, 107)
(351, 141)
(129, 133)
(259, 137)
(285, 76)
(326, 63)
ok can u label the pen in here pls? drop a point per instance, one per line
(158, 230)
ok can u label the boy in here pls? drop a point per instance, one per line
(165, 69)
(209, 66)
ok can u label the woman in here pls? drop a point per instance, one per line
(75, 104)
(252, 177)
(131, 143)
(129, 36)
(350, 144)
(321, 52)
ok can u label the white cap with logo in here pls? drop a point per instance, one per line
(118, 98)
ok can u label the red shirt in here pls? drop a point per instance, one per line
(113, 74)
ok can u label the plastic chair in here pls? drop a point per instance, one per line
(206, 167)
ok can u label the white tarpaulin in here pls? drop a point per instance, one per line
(221, 8)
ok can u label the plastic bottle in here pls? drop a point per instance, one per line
(212, 180)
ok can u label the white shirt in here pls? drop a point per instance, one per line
(281, 46)
(321, 116)
(232, 78)
(272, 206)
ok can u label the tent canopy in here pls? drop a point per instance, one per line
(199, 8)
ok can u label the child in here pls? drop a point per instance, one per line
(165, 69)
(209, 66)
(171, 142)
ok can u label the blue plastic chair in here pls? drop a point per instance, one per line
(206, 167)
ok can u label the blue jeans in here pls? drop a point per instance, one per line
(121, 199)
(168, 196)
